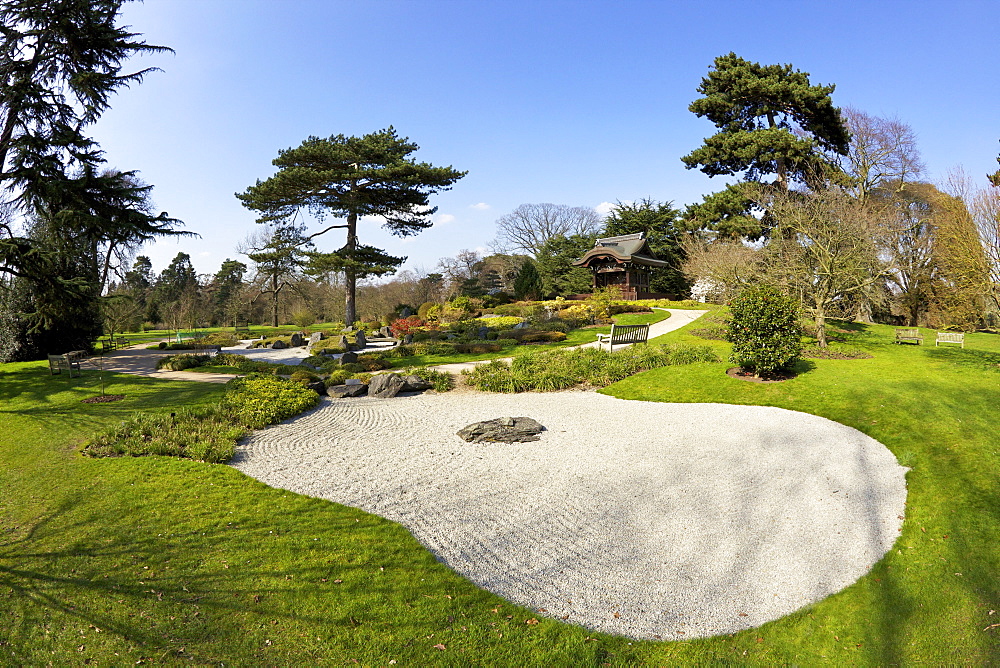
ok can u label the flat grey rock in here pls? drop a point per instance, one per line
(502, 430)
(342, 391)
(414, 383)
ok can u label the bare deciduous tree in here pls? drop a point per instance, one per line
(883, 151)
(529, 226)
(825, 251)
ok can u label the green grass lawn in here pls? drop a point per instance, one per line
(169, 561)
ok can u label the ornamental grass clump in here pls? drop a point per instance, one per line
(205, 434)
(764, 330)
(552, 370)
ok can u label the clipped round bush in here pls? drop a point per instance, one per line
(764, 330)
(161, 345)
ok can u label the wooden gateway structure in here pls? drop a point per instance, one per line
(623, 262)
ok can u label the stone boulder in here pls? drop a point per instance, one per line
(349, 358)
(502, 430)
(415, 384)
(385, 385)
(342, 391)
(342, 342)
(360, 341)
(297, 340)
(279, 345)
(315, 338)
(317, 386)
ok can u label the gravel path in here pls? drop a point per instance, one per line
(648, 520)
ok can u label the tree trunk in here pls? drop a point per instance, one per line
(274, 300)
(350, 280)
(820, 325)
(779, 162)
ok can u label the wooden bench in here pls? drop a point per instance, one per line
(909, 335)
(622, 335)
(950, 337)
(70, 361)
(115, 343)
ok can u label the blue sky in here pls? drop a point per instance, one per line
(577, 103)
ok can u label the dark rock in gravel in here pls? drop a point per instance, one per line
(360, 341)
(279, 345)
(415, 384)
(296, 340)
(341, 391)
(385, 385)
(349, 358)
(503, 430)
(317, 386)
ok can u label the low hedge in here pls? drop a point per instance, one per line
(182, 361)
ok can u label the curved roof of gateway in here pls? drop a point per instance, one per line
(625, 248)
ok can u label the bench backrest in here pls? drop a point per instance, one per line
(907, 333)
(951, 337)
(629, 333)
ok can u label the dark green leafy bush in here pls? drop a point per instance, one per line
(764, 330)
(478, 348)
(258, 400)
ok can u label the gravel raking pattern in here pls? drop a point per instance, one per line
(648, 520)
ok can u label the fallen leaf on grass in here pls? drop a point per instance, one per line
(531, 621)
(440, 646)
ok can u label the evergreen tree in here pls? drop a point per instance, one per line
(771, 121)
(61, 62)
(528, 284)
(351, 177)
(555, 265)
(660, 222)
(227, 283)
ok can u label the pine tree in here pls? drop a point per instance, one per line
(771, 121)
(352, 177)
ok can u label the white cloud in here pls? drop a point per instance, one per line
(482, 206)
(444, 218)
(604, 208)
(205, 254)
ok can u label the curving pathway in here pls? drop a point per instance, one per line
(649, 520)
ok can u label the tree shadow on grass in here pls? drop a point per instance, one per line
(966, 358)
(33, 391)
(61, 570)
